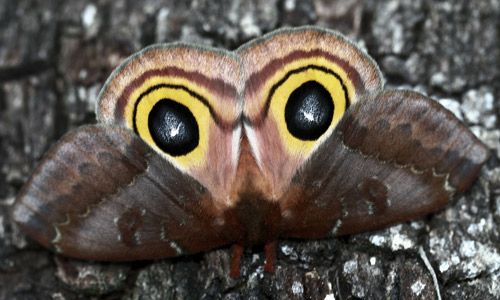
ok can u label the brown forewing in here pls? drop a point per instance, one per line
(394, 157)
(102, 194)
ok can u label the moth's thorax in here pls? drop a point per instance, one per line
(253, 211)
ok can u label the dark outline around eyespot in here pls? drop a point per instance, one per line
(174, 86)
(290, 73)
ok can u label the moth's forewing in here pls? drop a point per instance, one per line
(101, 193)
(394, 157)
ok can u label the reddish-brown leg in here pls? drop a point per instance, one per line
(270, 251)
(236, 260)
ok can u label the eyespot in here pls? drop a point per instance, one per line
(307, 103)
(309, 111)
(173, 127)
(175, 121)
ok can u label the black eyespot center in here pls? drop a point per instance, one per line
(173, 127)
(309, 111)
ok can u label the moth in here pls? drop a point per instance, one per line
(292, 135)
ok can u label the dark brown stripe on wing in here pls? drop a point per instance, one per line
(217, 119)
(217, 86)
(257, 121)
(256, 80)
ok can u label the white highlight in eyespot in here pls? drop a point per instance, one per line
(254, 143)
(309, 116)
(175, 131)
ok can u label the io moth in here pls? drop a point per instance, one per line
(290, 136)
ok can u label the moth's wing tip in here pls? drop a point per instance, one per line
(30, 223)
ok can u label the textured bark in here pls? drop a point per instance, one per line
(55, 56)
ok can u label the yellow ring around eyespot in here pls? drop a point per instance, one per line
(161, 80)
(320, 61)
(280, 98)
(200, 112)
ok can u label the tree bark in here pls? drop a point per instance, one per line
(56, 55)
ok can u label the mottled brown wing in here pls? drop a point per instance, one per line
(394, 157)
(103, 194)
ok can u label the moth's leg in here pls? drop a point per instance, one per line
(270, 252)
(236, 260)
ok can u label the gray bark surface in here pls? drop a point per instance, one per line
(55, 55)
